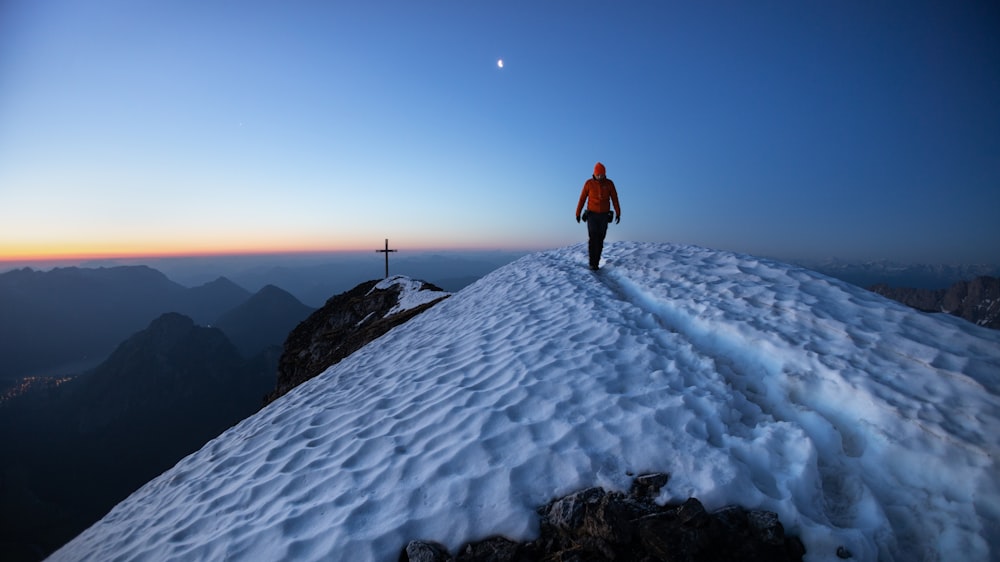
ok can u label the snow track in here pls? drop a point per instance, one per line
(753, 333)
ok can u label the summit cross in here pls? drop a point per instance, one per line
(386, 251)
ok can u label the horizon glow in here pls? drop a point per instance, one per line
(62, 253)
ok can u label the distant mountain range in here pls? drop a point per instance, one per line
(977, 301)
(314, 277)
(868, 274)
(67, 320)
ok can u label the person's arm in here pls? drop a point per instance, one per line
(579, 205)
(614, 200)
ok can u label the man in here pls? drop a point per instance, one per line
(599, 193)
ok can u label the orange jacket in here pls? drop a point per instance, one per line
(599, 194)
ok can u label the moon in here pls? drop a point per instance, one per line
(499, 63)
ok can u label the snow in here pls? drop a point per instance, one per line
(862, 423)
(411, 293)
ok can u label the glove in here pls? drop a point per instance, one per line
(578, 218)
(618, 219)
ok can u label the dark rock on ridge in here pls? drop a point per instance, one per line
(346, 323)
(594, 525)
(977, 301)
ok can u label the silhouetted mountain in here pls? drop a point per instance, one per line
(73, 315)
(73, 451)
(977, 301)
(346, 323)
(69, 319)
(263, 320)
(207, 302)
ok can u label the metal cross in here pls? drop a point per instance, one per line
(386, 251)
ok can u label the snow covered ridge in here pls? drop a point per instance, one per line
(862, 423)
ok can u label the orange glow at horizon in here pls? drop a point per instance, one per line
(84, 251)
(146, 249)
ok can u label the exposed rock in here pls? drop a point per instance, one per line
(346, 323)
(421, 551)
(648, 485)
(977, 301)
(594, 525)
(493, 549)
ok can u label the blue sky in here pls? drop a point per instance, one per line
(860, 130)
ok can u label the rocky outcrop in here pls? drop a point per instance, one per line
(595, 525)
(977, 301)
(346, 323)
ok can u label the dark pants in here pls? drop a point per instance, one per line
(597, 229)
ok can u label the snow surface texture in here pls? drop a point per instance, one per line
(861, 422)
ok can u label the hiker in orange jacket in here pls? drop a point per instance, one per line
(599, 192)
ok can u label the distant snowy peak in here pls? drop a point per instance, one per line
(348, 322)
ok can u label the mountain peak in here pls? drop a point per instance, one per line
(170, 355)
(222, 281)
(867, 427)
(171, 322)
(273, 292)
(263, 320)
